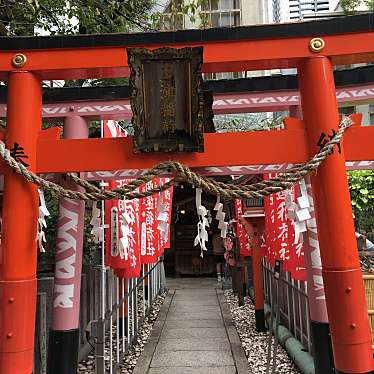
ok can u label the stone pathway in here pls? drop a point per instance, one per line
(194, 333)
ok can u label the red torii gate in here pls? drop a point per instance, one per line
(24, 62)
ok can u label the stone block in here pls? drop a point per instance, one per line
(192, 344)
(193, 359)
(198, 332)
(190, 370)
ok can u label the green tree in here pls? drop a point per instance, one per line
(361, 187)
(350, 6)
(172, 17)
(26, 17)
(31, 17)
(246, 122)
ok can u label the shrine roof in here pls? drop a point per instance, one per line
(333, 26)
(355, 76)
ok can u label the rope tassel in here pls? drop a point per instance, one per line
(42, 224)
(299, 212)
(220, 217)
(202, 233)
(97, 228)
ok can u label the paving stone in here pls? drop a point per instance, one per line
(240, 359)
(143, 364)
(214, 310)
(196, 291)
(194, 339)
(201, 288)
(193, 323)
(189, 316)
(190, 285)
(195, 295)
(193, 344)
(193, 302)
(192, 359)
(189, 370)
(181, 283)
(211, 332)
(233, 334)
(194, 298)
(194, 309)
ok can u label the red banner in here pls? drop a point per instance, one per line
(154, 209)
(280, 235)
(132, 236)
(129, 217)
(122, 223)
(149, 237)
(167, 198)
(122, 234)
(144, 241)
(245, 249)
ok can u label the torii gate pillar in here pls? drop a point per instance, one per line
(20, 214)
(345, 297)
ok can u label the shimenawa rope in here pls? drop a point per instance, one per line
(182, 174)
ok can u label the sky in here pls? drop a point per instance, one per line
(161, 5)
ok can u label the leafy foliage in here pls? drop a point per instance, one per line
(247, 122)
(172, 18)
(26, 17)
(350, 6)
(32, 17)
(361, 187)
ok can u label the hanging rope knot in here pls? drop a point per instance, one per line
(181, 174)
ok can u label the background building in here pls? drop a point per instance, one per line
(217, 13)
(183, 257)
(290, 10)
(231, 13)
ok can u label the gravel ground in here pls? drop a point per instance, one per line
(367, 263)
(254, 343)
(129, 361)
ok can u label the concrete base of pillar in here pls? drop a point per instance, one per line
(323, 356)
(63, 351)
(122, 321)
(340, 372)
(260, 320)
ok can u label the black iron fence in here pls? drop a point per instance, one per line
(111, 310)
(293, 304)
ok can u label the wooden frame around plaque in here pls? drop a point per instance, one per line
(167, 99)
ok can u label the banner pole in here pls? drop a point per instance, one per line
(257, 227)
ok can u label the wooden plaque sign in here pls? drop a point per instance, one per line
(167, 99)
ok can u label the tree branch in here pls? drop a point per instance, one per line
(129, 19)
(52, 16)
